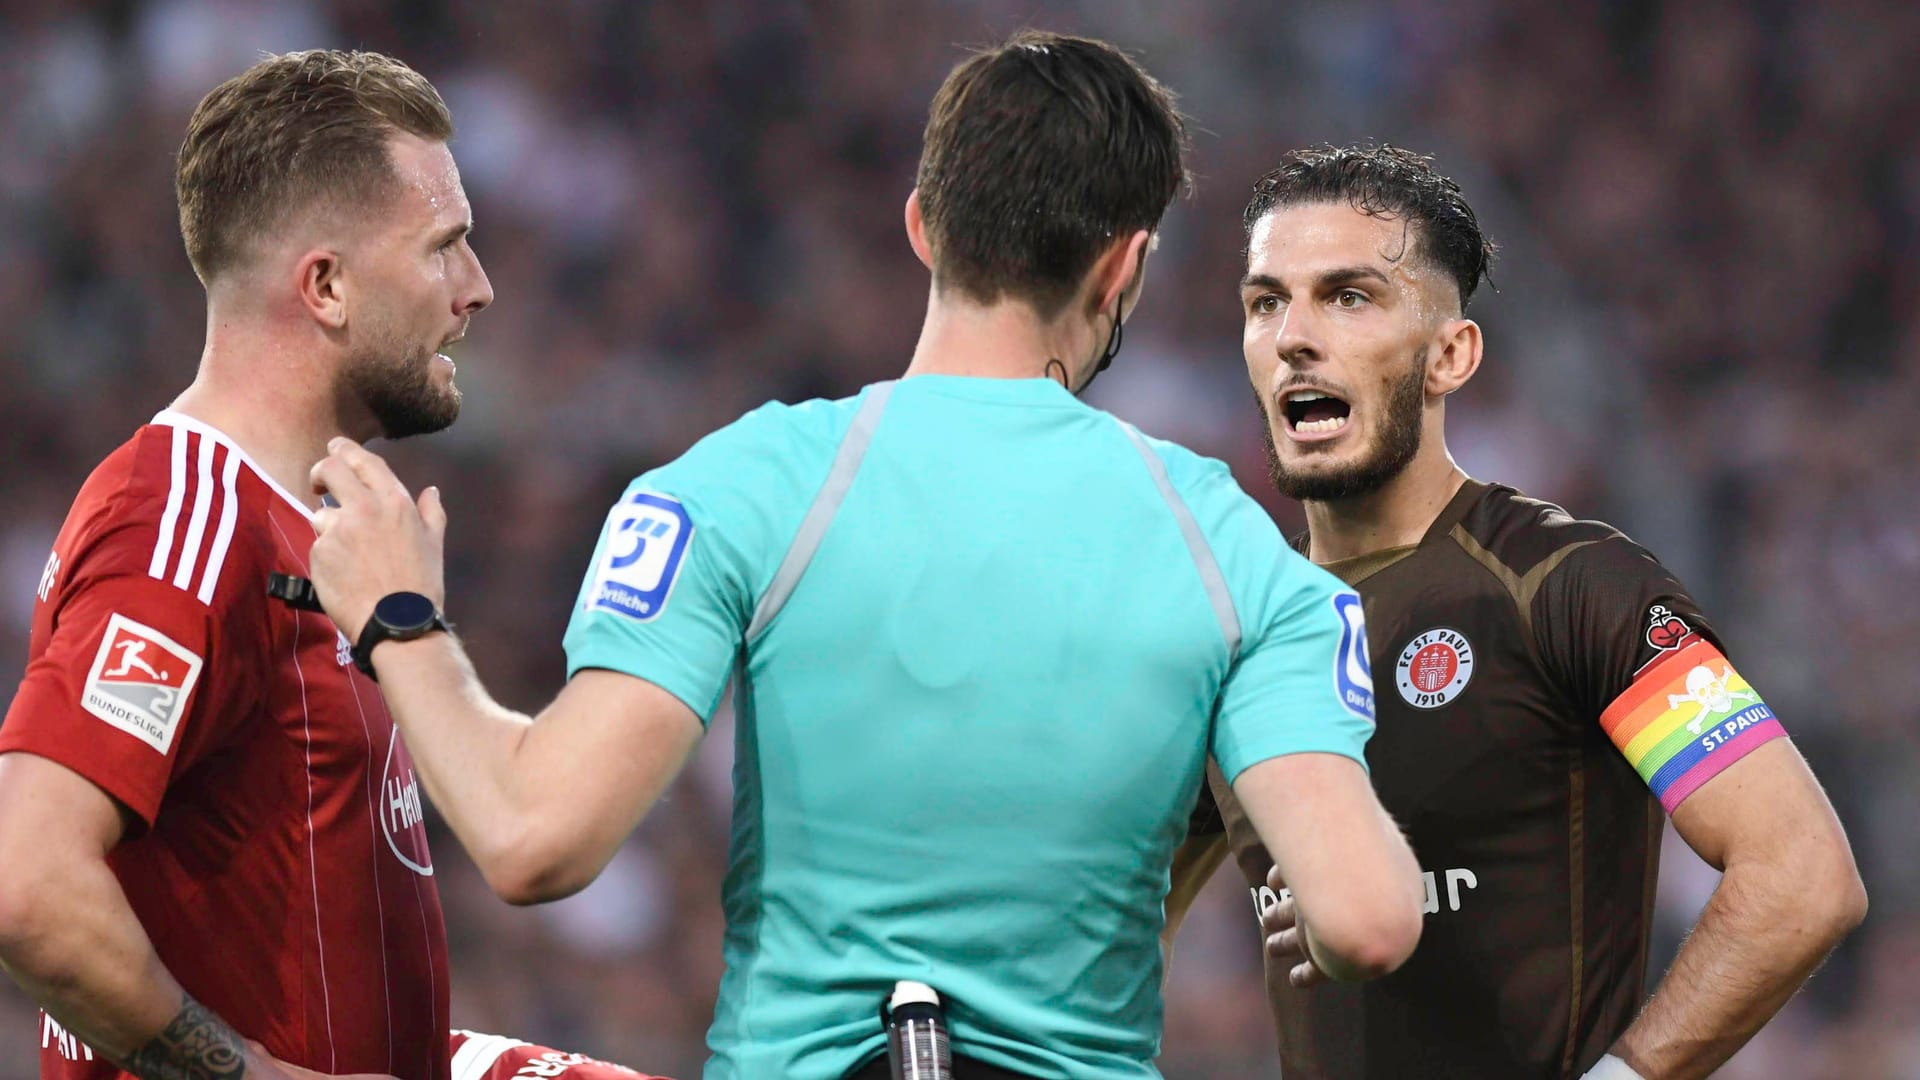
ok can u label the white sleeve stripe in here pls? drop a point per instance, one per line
(197, 525)
(176, 493)
(480, 1052)
(1211, 576)
(223, 536)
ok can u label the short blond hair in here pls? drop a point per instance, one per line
(289, 133)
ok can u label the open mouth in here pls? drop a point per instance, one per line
(1315, 412)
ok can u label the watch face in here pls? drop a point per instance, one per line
(404, 611)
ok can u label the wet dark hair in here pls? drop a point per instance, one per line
(1385, 181)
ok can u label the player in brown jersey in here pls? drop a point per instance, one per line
(1547, 688)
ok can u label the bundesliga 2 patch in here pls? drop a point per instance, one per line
(1352, 667)
(140, 681)
(645, 544)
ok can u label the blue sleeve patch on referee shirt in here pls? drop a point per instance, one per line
(645, 545)
(1352, 667)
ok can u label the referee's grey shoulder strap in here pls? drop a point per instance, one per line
(813, 527)
(1211, 578)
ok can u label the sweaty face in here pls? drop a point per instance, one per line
(406, 387)
(420, 285)
(1339, 317)
(1392, 444)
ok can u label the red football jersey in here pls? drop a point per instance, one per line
(495, 1057)
(279, 863)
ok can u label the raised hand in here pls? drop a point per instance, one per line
(377, 540)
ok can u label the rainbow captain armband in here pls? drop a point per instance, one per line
(1686, 718)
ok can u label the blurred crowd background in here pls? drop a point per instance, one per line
(1706, 331)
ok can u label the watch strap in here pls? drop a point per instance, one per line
(377, 631)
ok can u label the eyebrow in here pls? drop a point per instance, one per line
(452, 233)
(1345, 275)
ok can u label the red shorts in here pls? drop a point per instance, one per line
(496, 1057)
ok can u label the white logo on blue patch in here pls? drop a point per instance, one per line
(1352, 668)
(646, 543)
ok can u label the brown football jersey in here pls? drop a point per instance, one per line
(1543, 686)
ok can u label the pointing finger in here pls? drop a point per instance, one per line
(371, 468)
(333, 476)
(433, 513)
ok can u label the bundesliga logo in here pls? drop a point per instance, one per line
(1434, 668)
(140, 681)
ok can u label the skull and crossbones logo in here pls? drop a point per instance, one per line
(1711, 693)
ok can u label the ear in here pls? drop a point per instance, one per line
(319, 282)
(917, 230)
(1459, 357)
(1124, 265)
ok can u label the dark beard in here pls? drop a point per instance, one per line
(399, 393)
(1398, 441)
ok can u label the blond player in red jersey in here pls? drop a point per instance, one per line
(215, 858)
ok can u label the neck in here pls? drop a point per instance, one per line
(1003, 340)
(1397, 514)
(271, 398)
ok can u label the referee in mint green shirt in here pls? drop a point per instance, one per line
(984, 639)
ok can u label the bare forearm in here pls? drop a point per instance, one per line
(86, 959)
(466, 746)
(1758, 940)
(1352, 876)
(1357, 960)
(540, 804)
(195, 1045)
(1390, 892)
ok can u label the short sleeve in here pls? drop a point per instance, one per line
(122, 693)
(1627, 643)
(1301, 680)
(666, 597)
(685, 553)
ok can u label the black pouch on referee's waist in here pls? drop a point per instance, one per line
(882, 1066)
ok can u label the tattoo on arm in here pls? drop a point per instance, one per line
(195, 1046)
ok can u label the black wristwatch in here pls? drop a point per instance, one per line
(401, 616)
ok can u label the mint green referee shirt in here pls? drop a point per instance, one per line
(985, 637)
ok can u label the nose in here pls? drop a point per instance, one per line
(479, 292)
(1297, 342)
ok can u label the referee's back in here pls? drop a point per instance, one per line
(986, 638)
